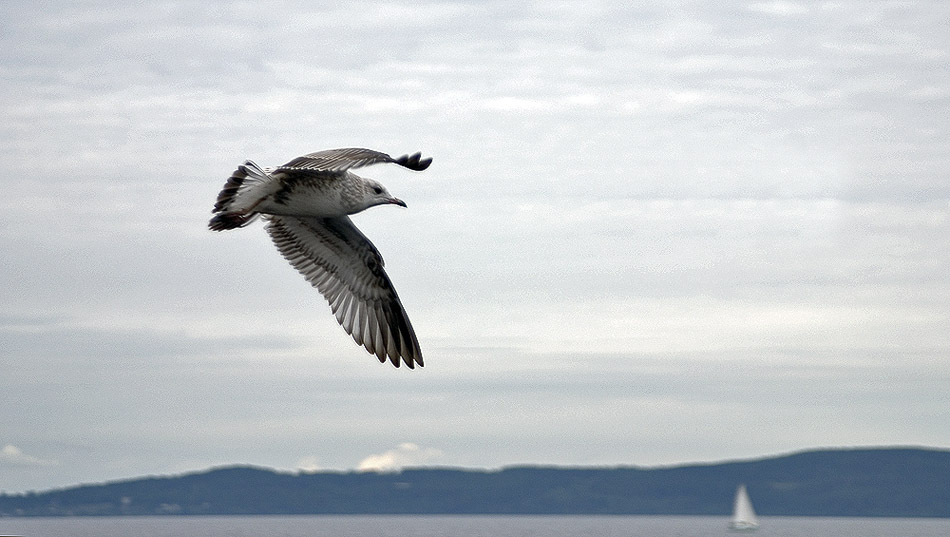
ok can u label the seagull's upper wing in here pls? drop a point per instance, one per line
(336, 160)
(336, 258)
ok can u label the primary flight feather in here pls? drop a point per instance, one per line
(307, 203)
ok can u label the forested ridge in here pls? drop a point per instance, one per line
(854, 482)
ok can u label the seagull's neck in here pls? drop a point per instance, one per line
(353, 194)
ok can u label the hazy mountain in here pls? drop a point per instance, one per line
(857, 482)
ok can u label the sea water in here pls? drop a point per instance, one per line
(464, 526)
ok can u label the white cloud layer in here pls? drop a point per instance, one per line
(403, 455)
(14, 456)
(309, 463)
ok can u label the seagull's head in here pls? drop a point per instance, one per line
(374, 193)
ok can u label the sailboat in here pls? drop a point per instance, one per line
(743, 516)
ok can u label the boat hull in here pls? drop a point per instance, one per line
(743, 526)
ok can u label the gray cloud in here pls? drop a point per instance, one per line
(650, 224)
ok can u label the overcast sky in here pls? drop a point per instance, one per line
(653, 233)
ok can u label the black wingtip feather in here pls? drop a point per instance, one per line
(414, 161)
(225, 221)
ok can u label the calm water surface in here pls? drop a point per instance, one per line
(465, 526)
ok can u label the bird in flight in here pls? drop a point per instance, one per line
(306, 204)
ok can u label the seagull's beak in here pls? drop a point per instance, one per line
(397, 201)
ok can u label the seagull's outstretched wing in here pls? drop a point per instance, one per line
(337, 259)
(336, 160)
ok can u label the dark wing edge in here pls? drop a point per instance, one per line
(336, 258)
(414, 161)
(354, 157)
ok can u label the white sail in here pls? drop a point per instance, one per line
(743, 516)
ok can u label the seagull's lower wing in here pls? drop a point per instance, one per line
(337, 259)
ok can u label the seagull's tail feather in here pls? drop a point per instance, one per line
(231, 208)
(253, 171)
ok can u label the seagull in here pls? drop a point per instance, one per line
(306, 204)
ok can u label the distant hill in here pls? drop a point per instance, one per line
(900, 482)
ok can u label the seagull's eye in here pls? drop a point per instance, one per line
(377, 190)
